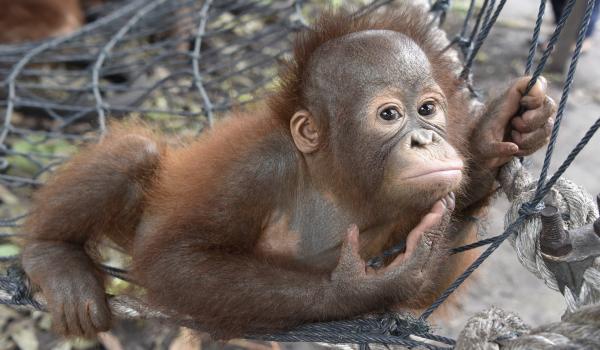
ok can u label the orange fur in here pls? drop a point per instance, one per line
(34, 20)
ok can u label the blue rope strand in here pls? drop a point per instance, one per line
(551, 43)
(565, 94)
(485, 31)
(535, 37)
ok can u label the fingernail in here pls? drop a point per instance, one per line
(451, 201)
(543, 81)
(451, 204)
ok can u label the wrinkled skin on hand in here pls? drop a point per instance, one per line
(409, 272)
(503, 133)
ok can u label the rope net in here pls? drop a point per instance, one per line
(175, 63)
(178, 64)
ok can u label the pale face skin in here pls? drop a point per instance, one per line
(389, 113)
(390, 75)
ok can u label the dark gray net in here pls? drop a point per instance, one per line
(176, 63)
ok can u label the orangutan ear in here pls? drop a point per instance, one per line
(304, 131)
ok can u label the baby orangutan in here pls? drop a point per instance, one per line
(265, 222)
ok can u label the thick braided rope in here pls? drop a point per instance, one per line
(577, 206)
(498, 329)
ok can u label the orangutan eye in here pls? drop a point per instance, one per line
(427, 108)
(390, 113)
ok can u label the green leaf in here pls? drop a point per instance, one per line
(9, 250)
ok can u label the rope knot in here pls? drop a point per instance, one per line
(403, 325)
(576, 206)
(529, 208)
(489, 327)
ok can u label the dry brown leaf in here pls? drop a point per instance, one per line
(186, 340)
(24, 336)
(109, 341)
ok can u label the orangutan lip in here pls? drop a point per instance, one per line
(448, 170)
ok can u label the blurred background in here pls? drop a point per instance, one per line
(120, 59)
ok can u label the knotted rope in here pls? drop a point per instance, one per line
(580, 326)
(578, 209)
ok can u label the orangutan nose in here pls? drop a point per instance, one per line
(422, 138)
